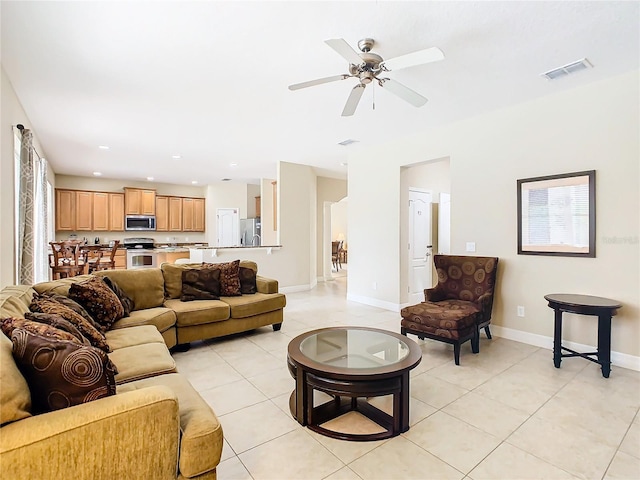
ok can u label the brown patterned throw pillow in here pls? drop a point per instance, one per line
(73, 305)
(58, 322)
(200, 284)
(248, 281)
(46, 305)
(8, 325)
(128, 304)
(229, 277)
(99, 300)
(61, 373)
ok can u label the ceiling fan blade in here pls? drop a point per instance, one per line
(319, 81)
(353, 100)
(428, 55)
(345, 50)
(403, 92)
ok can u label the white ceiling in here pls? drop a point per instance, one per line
(208, 80)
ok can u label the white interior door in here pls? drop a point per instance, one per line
(228, 227)
(420, 246)
(444, 224)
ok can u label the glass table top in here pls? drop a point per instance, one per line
(354, 348)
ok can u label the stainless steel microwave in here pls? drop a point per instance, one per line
(140, 222)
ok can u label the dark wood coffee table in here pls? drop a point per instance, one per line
(351, 364)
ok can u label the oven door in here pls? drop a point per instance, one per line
(141, 259)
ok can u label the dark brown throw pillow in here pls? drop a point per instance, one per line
(73, 305)
(61, 373)
(128, 304)
(229, 277)
(8, 325)
(58, 322)
(47, 305)
(248, 281)
(200, 284)
(99, 300)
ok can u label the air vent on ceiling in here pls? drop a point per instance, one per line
(565, 70)
(226, 180)
(348, 141)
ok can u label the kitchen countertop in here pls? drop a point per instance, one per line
(241, 246)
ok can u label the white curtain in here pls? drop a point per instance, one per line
(32, 218)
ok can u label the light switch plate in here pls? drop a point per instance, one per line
(471, 246)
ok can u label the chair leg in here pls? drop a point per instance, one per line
(475, 342)
(456, 352)
(488, 332)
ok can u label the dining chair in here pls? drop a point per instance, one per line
(105, 263)
(67, 259)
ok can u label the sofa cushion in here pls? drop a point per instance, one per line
(58, 322)
(142, 361)
(15, 300)
(229, 277)
(198, 312)
(145, 286)
(130, 336)
(200, 284)
(47, 305)
(125, 300)
(99, 300)
(160, 317)
(201, 433)
(247, 281)
(61, 374)
(247, 306)
(60, 286)
(8, 325)
(15, 397)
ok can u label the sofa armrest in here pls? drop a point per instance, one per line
(126, 435)
(266, 285)
(485, 303)
(434, 294)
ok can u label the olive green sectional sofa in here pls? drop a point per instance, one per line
(156, 425)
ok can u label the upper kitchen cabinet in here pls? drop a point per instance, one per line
(175, 214)
(138, 201)
(65, 210)
(162, 213)
(84, 211)
(116, 212)
(199, 217)
(100, 211)
(193, 216)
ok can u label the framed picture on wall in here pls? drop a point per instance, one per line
(557, 215)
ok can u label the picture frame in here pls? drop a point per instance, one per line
(557, 215)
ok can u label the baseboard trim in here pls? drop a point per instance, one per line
(617, 358)
(294, 289)
(374, 302)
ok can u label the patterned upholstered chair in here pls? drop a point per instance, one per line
(460, 304)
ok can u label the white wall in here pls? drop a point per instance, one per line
(253, 191)
(269, 234)
(223, 195)
(329, 190)
(339, 224)
(592, 127)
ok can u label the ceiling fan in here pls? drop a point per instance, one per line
(368, 66)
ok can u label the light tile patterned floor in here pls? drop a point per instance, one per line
(505, 413)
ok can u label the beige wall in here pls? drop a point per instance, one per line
(11, 114)
(253, 191)
(329, 190)
(592, 127)
(223, 195)
(269, 233)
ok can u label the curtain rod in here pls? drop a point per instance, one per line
(21, 128)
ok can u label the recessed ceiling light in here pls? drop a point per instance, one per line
(343, 164)
(97, 174)
(347, 142)
(150, 179)
(194, 182)
(176, 157)
(233, 164)
(103, 147)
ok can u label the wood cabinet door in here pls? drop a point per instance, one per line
(84, 211)
(100, 211)
(258, 206)
(175, 214)
(132, 201)
(198, 214)
(148, 202)
(116, 212)
(65, 210)
(120, 259)
(162, 214)
(187, 215)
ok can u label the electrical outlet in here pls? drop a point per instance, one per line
(520, 311)
(471, 246)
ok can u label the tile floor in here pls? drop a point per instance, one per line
(505, 413)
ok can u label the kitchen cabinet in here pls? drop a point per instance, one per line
(162, 214)
(188, 223)
(121, 258)
(65, 210)
(139, 201)
(84, 211)
(274, 186)
(175, 214)
(198, 213)
(258, 206)
(116, 212)
(100, 211)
